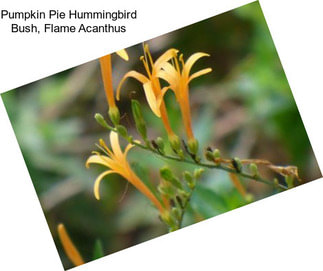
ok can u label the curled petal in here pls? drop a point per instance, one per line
(199, 73)
(190, 62)
(136, 75)
(169, 74)
(127, 149)
(169, 54)
(151, 98)
(98, 181)
(69, 248)
(123, 54)
(99, 159)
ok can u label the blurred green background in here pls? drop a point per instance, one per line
(244, 107)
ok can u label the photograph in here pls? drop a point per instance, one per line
(161, 135)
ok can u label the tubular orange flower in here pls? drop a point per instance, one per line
(106, 71)
(178, 80)
(153, 91)
(69, 248)
(116, 161)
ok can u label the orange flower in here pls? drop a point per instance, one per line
(69, 248)
(178, 80)
(116, 161)
(106, 71)
(153, 91)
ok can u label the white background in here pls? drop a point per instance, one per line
(283, 232)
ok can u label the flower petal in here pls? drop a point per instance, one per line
(170, 53)
(127, 149)
(106, 73)
(169, 74)
(123, 54)
(190, 62)
(98, 159)
(136, 75)
(151, 98)
(160, 97)
(98, 181)
(199, 73)
(115, 145)
(69, 248)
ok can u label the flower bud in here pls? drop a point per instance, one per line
(122, 131)
(209, 155)
(160, 143)
(100, 120)
(188, 176)
(254, 169)
(198, 172)
(139, 120)
(168, 176)
(166, 173)
(216, 153)
(166, 190)
(184, 194)
(193, 145)
(249, 198)
(114, 115)
(176, 213)
(175, 143)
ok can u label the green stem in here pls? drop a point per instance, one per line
(201, 164)
(211, 166)
(184, 209)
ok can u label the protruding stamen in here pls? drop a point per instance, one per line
(147, 53)
(144, 61)
(181, 59)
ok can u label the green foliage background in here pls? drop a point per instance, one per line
(244, 107)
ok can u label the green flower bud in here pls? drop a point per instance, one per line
(175, 143)
(168, 219)
(139, 120)
(209, 155)
(176, 213)
(198, 172)
(184, 194)
(100, 120)
(188, 176)
(160, 143)
(189, 179)
(122, 131)
(254, 169)
(249, 198)
(166, 173)
(168, 176)
(216, 153)
(166, 190)
(193, 145)
(114, 115)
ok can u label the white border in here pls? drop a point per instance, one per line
(282, 232)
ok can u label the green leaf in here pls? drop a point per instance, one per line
(208, 203)
(98, 250)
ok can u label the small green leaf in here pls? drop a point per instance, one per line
(98, 250)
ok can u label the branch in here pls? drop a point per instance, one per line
(184, 160)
